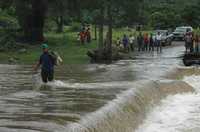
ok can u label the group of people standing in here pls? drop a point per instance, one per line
(192, 43)
(84, 35)
(143, 42)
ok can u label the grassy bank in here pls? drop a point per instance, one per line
(65, 44)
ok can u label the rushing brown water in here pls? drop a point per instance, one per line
(91, 98)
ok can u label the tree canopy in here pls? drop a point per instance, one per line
(32, 14)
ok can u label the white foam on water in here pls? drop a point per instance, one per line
(193, 81)
(27, 94)
(122, 114)
(179, 113)
(37, 81)
(176, 113)
(115, 85)
(57, 84)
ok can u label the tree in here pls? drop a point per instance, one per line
(4, 4)
(114, 6)
(31, 16)
(57, 11)
(96, 10)
(191, 15)
(109, 13)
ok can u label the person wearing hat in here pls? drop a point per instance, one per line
(47, 63)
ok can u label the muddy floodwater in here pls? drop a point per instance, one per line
(101, 98)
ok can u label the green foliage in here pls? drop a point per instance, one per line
(191, 15)
(157, 19)
(172, 13)
(6, 20)
(8, 27)
(164, 19)
(87, 16)
(65, 44)
(50, 26)
(197, 31)
(75, 26)
(7, 40)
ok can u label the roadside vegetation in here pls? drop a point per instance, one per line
(58, 23)
(65, 43)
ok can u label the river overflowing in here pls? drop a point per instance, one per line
(176, 113)
(100, 98)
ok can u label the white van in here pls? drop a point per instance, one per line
(180, 32)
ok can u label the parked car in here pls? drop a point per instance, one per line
(180, 32)
(167, 37)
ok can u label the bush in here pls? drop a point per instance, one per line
(7, 40)
(7, 21)
(75, 27)
(8, 28)
(50, 25)
(164, 19)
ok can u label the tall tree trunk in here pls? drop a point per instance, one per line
(60, 24)
(101, 25)
(109, 45)
(95, 31)
(39, 13)
(23, 13)
(32, 18)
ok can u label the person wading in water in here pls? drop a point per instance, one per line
(47, 63)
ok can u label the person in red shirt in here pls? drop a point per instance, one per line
(146, 41)
(82, 36)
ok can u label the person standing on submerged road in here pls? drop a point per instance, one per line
(125, 42)
(47, 62)
(158, 42)
(140, 41)
(151, 42)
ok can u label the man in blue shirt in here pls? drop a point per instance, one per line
(47, 62)
(125, 42)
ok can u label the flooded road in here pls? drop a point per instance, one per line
(176, 113)
(82, 94)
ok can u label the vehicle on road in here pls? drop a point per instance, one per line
(180, 32)
(167, 37)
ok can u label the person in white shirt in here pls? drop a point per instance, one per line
(158, 42)
(132, 42)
